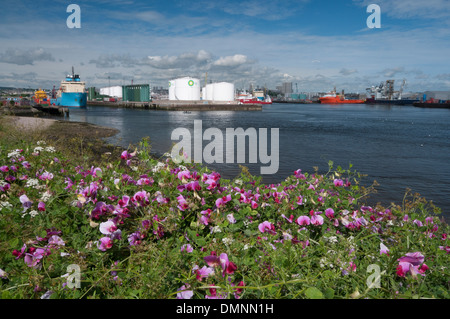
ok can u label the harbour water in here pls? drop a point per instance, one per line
(400, 147)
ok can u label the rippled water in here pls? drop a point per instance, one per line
(398, 146)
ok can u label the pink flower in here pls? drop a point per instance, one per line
(317, 220)
(413, 258)
(125, 155)
(184, 293)
(184, 175)
(410, 263)
(205, 216)
(303, 220)
(55, 241)
(187, 247)
(41, 206)
(46, 176)
(329, 212)
(222, 201)
(203, 272)
(267, 227)
(182, 204)
(108, 228)
(105, 243)
(228, 267)
(33, 257)
(383, 249)
(338, 182)
(141, 198)
(124, 201)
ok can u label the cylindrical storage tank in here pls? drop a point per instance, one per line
(203, 93)
(187, 89)
(172, 90)
(209, 91)
(223, 91)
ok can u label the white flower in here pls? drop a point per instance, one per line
(5, 205)
(38, 149)
(33, 213)
(46, 196)
(40, 143)
(246, 246)
(32, 182)
(227, 240)
(50, 149)
(216, 229)
(14, 153)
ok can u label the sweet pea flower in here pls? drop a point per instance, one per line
(412, 263)
(383, 249)
(231, 218)
(105, 243)
(303, 220)
(267, 227)
(184, 293)
(108, 228)
(338, 182)
(182, 203)
(46, 176)
(125, 155)
(228, 267)
(203, 272)
(329, 212)
(41, 206)
(317, 220)
(187, 247)
(26, 203)
(223, 200)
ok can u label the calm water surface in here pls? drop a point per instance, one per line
(398, 146)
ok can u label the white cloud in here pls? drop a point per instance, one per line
(24, 57)
(232, 61)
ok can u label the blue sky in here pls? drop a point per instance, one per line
(316, 44)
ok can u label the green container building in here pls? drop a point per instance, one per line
(136, 93)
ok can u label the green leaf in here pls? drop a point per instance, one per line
(313, 293)
(329, 293)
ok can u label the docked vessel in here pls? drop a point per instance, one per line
(41, 98)
(385, 94)
(257, 97)
(71, 93)
(333, 98)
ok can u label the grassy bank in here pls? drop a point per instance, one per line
(83, 219)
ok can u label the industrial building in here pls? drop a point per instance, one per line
(112, 91)
(136, 93)
(126, 93)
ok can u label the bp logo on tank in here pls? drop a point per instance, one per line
(191, 83)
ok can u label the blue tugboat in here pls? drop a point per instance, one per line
(72, 93)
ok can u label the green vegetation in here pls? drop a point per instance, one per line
(138, 227)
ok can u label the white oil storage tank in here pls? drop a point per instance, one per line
(187, 89)
(172, 90)
(209, 88)
(223, 91)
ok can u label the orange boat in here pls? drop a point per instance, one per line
(333, 98)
